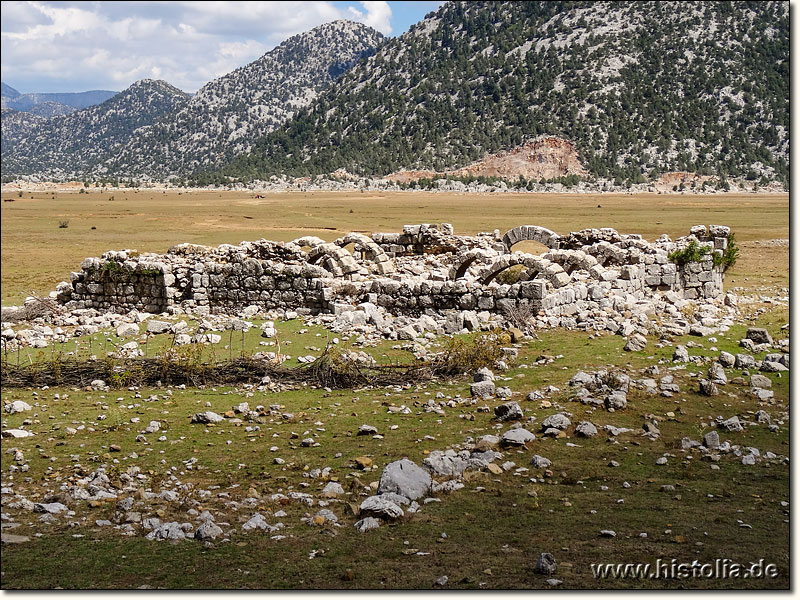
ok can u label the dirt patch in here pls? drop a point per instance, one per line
(543, 158)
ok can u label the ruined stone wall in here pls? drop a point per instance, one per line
(425, 268)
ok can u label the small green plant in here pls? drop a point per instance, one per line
(694, 252)
(63, 224)
(729, 256)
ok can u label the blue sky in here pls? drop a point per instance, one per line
(76, 46)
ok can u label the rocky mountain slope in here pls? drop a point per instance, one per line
(16, 125)
(228, 115)
(73, 143)
(225, 118)
(640, 88)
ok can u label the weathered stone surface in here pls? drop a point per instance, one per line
(635, 343)
(482, 389)
(585, 429)
(711, 440)
(380, 507)
(445, 464)
(332, 490)
(616, 400)
(717, 374)
(510, 411)
(556, 421)
(167, 531)
(540, 462)
(127, 330)
(732, 424)
(516, 437)
(546, 564)
(681, 354)
(406, 478)
(367, 523)
(726, 359)
(156, 327)
(758, 335)
(207, 417)
(17, 406)
(208, 531)
(708, 388)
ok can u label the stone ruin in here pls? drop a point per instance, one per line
(587, 279)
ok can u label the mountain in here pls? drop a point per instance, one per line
(71, 144)
(54, 103)
(8, 91)
(639, 88)
(50, 109)
(228, 115)
(16, 125)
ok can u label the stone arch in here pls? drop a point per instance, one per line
(369, 251)
(464, 261)
(535, 267)
(531, 232)
(334, 259)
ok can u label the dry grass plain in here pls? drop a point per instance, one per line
(37, 254)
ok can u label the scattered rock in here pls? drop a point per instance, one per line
(758, 335)
(482, 389)
(540, 462)
(16, 407)
(207, 417)
(557, 421)
(635, 343)
(732, 424)
(516, 437)
(367, 430)
(545, 564)
(406, 478)
(377, 506)
(510, 411)
(367, 523)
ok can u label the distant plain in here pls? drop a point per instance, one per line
(37, 253)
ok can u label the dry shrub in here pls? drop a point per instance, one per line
(520, 315)
(466, 356)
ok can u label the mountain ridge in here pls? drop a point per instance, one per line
(639, 88)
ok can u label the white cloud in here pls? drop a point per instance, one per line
(73, 46)
(378, 16)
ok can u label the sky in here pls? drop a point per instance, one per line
(77, 46)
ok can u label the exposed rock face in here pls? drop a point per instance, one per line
(541, 158)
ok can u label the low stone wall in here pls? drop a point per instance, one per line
(424, 269)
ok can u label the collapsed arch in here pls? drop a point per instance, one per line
(369, 251)
(336, 260)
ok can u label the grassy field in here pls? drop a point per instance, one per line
(37, 253)
(498, 524)
(495, 527)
